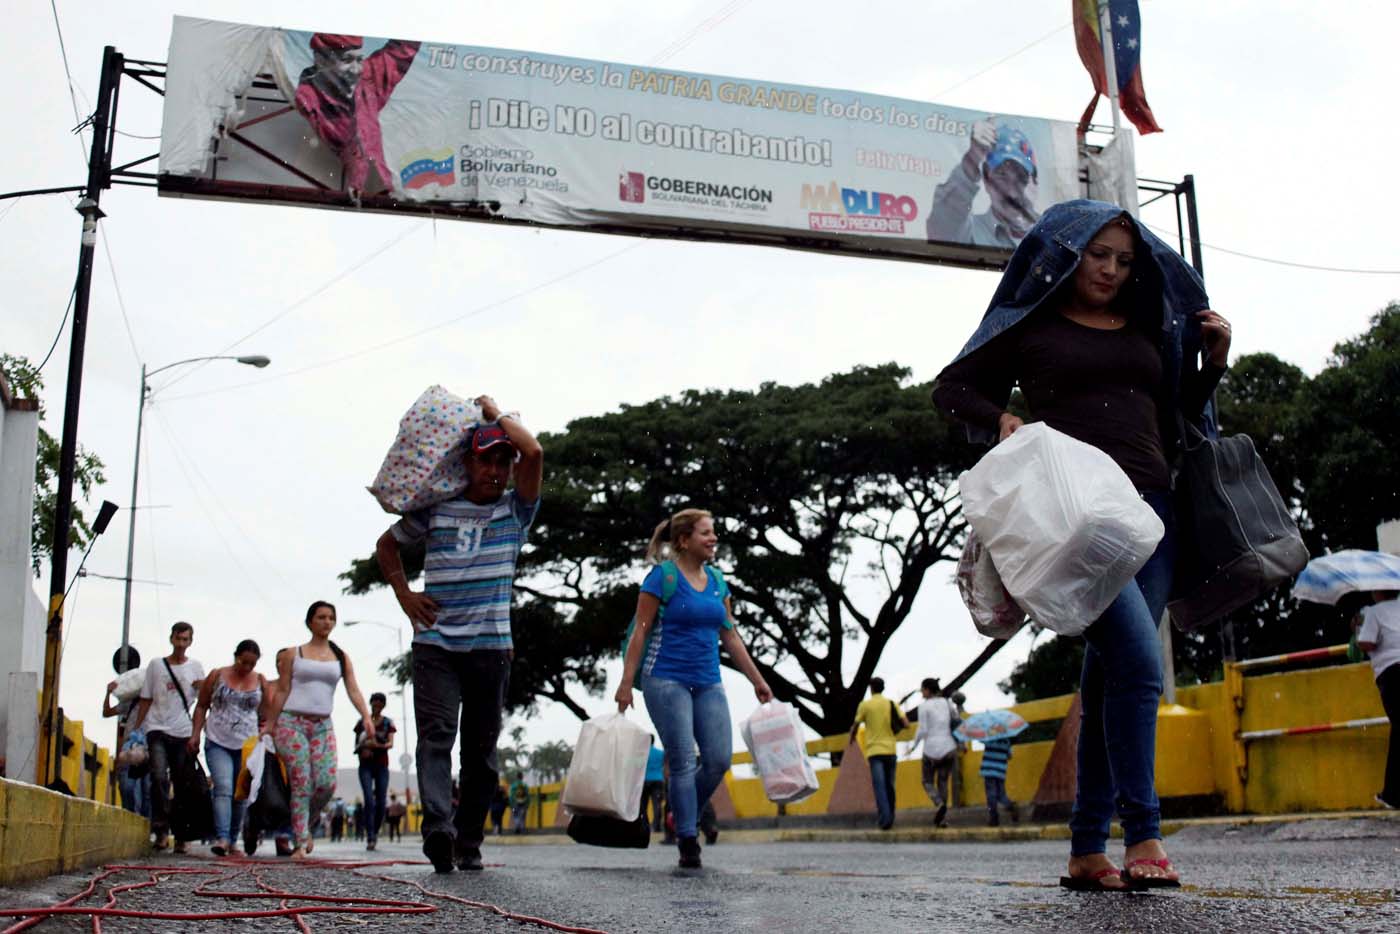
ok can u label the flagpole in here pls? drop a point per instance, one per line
(1110, 66)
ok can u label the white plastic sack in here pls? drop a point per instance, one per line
(1064, 525)
(256, 761)
(426, 463)
(129, 684)
(994, 611)
(608, 768)
(773, 734)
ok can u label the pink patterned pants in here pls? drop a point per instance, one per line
(307, 748)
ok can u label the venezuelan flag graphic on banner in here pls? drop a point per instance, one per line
(424, 167)
(1127, 55)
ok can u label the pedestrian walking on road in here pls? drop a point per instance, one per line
(499, 802)
(684, 615)
(938, 717)
(883, 719)
(164, 712)
(654, 787)
(394, 815)
(519, 803)
(338, 816)
(227, 714)
(1379, 638)
(133, 781)
(1107, 332)
(996, 756)
(462, 648)
(374, 766)
(299, 720)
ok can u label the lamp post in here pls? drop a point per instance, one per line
(405, 758)
(256, 360)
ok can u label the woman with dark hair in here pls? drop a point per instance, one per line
(373, 750)
(1109, 335)
(227, 712)
(683, 616)
(299, 720)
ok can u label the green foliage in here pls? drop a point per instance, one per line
(550, 761)
(813, 487)
(1052, 668)
(26, 382)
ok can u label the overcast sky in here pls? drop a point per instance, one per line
(1282, 111)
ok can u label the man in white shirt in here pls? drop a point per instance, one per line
(937, 718)
(171, 685)
(1379, 638)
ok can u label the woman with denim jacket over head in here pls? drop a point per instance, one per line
(676, 649)
(1093, 358)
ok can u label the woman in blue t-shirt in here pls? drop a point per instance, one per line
(683, 617)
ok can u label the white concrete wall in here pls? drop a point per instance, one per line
(21, 609)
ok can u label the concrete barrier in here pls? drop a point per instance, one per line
(43, 832)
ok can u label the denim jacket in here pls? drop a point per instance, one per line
(1048, 256)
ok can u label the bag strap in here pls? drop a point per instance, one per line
(176, 681)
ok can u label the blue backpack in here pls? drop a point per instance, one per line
(670, 580)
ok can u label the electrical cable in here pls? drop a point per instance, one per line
(72, 94)
(61, 325)
(1281, 262)
(678, 45)
(121, 302)
(1001, 61)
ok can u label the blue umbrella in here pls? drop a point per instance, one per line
(1329, 578)
(991, 724)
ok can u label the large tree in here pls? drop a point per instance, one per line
(834, 500)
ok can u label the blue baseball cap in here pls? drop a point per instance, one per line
(1012, 145)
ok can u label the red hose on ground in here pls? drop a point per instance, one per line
(292, 905)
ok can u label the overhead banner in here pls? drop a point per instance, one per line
(397, 124)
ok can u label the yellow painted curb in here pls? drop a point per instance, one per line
(43, 832)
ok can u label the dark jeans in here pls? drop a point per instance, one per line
(455, 691)
(654, 792)
(1119, 690)
(882, 777)
(374, 788)
(136, 793)
(167, 754)
(935, 774)
(996, 795)
(1389, 685)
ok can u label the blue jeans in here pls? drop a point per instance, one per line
(882, 777)
(223, 769)
(136, 796)
(374, 785)
(1119, 690)
(687, 716)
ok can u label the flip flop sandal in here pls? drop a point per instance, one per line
(1093, 883)
(1150, 882)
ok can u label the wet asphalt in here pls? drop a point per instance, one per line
(1310, 876)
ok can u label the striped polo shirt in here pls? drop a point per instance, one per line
(469, 568)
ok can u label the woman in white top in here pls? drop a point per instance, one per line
(937, 718)
(299, 720)
(227, 713)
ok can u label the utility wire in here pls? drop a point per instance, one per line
(1002, 61)
(121, 302)
(678, 45)
(1282, 262)
(61, 325)
(72, 95)
(155, 565)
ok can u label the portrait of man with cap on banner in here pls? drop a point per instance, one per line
(1002, 158)
(341, 95)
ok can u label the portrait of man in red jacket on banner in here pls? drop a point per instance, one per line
(342, 94)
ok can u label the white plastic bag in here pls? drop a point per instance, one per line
(773, 734)
(608, 768)
(994, 611)
(1064, 525)
(129, 684)
(426, 463)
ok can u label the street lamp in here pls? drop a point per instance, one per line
(257, 360)
(405, 758)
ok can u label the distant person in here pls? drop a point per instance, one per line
(227, 713)
(133, 782)
(394, 815)
(373, 753)
(338, 815)
(300, 719)
(882, 719)
(684, 615)
(1379, 637)
(996, 755)
(654, 787)
(164, 712)
(341, 95)
(1001, 158)
(937, 718)
(519, 803)
(462, 648)
(499, 802)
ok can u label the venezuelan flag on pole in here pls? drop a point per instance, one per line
(1125, 28)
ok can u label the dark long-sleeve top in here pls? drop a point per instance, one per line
(1102, 387)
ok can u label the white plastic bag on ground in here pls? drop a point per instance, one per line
(994, 611)
(1064, 525)
(608, 768)
(773, 734)
(426, 463)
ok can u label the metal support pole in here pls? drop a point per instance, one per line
(1110, 63)
(1188, 186)
(1164, 632)
(99, 177)
(122, 663)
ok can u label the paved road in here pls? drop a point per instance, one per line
(1313, 876)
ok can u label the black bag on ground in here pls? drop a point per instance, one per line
(611, 832)
(192, 817)
(271, 810)
(1237, 539)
